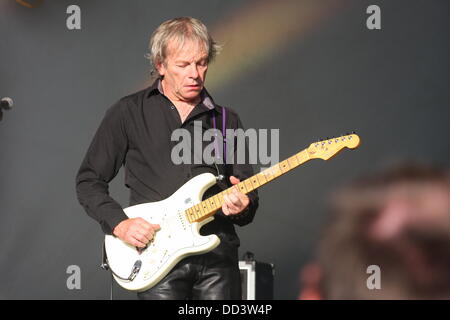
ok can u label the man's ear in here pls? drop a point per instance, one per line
(160, 67)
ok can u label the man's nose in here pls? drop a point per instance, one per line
(193, 71)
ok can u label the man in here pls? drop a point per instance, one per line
(136, 132)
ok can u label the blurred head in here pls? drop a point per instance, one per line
(399, 220)
(180, 51)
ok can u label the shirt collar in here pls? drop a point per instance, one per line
(206, 99)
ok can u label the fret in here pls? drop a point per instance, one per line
(274, 171)
(280, 172)
(191, 214)
(212, 203)
(227, 192)
(283, 167)
(193, 217)
(219, 201)
(267, 175)
(293, 162)
(301, 157)
(202, 211)
(298, 156)
(205, 206)
(220, 196)
(248, 185)
(306, 156)
(260, 177)
(187, 214)
(277, 170)
(289, 164)
(242, 187)
(197, 211)
(255, 181)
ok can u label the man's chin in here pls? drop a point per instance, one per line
(192, 94)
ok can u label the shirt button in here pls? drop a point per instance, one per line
(172, 107)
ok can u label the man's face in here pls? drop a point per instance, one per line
(184, 70)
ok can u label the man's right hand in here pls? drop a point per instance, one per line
(136, 231)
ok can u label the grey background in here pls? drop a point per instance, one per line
(390, 85)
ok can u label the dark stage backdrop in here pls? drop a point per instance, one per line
(311, 69)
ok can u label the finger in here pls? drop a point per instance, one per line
(137, 243)
(244, 199)
(234, 180)
(226, 205)
(150, 235)
(140, 230)
(143, 237)
(144, 223)
(149, 228)
(225, 209)
(232, 208)
(235, 200)
(156, 226)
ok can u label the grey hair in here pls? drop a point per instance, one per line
(180, 29)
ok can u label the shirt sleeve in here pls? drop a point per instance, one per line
(101, 163)
(243, 171)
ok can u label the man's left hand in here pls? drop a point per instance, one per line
(235, 202)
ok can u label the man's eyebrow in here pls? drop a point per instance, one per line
(185, 61)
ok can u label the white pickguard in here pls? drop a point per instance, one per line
(177, 238)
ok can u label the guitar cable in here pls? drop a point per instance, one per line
(111, 288)
(219, 176)
(105, 266)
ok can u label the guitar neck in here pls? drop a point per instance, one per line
(209, 206)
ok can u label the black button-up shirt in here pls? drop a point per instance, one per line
(136, 132)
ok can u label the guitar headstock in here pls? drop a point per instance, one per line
(326, 149)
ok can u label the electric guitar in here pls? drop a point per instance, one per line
(183, 214)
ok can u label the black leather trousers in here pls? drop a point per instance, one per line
(211, 276)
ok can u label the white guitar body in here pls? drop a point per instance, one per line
(177, 238)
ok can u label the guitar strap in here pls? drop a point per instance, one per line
(224, 145)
